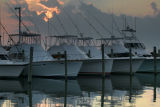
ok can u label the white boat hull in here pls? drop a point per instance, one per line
(94, 67)
(122, 66)
(55, 68)
(11, 70)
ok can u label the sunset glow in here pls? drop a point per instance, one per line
(40, 11)
(39, 8)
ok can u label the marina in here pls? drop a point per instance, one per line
(75, 53)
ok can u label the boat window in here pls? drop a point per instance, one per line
(134, 45)
(142, 45)
(119, 55)
(3, 57)
(58, 56)
(16, 56)
(126, 45)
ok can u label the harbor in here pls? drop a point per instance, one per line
(116, 90)
(76, 54)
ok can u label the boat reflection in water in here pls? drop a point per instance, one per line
(116, 90)
(44, 92)
(85, 91)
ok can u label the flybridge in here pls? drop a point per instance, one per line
(86, 41)
(85, 38)
(65, 36)
(128, 29)
(62, 39)
(26, 34)
(112, 38)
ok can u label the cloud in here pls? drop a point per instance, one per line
(154, 7)
(147, 26)
(47, 8)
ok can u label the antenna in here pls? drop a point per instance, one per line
(55, 29)
(125, 22)
(61, 25)
(90, 24)
(135, 22)
(0, 26)
(0, 20)
(48, 27)
(112, 19)
(112, 24)
(19, 10)
(102, 24)
(77, 28)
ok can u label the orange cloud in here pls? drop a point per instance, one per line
(60, 2)
(39, 8)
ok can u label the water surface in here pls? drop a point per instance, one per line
(141, 90)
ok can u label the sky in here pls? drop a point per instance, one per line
(59, 17)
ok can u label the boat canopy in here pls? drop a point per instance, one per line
(112, 38)
(65, 36)
(26, 38)
(88, 45)
(85, 38)
(115, 44)
(85, 41)
(60, 40)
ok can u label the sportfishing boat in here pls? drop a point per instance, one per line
(115, 49)
(44, 65)
(93, 65)
(139, 49)
(9, 68)
(59, 44)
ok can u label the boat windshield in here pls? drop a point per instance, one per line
(119, 55)
(3, 57)
(16, 56)
(135, 45)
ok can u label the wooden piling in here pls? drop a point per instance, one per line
(30, 94)
(30, 65)
(23, 56)
(130, 60)
(155, 88)
(112, 54)
(66, 79)
(103, 61)
(89, 53)
(155, 59)
(130, 88)
(30, 77)
(103, 91)
(66, 68)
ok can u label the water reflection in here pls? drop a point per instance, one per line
(120, 91)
